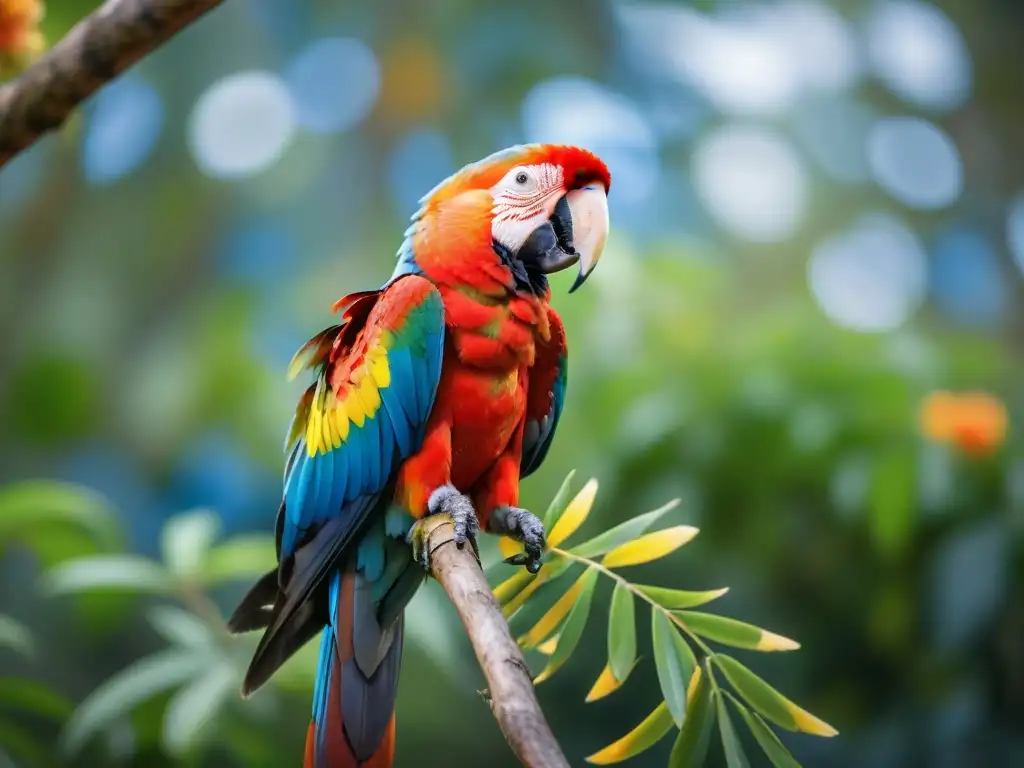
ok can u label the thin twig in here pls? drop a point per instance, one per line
(94, 52)
(512, 697)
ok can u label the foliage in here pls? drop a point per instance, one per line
(687, 667)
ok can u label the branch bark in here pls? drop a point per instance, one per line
(512, 697)
(94, 52)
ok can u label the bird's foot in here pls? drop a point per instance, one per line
(448, 501)
(524, 526)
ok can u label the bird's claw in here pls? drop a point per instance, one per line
(521, 525)
(446, 500)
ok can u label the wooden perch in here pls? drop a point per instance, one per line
(511, 692)
(94, 52)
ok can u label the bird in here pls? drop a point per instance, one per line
(435, 394)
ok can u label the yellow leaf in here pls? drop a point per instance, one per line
(606, 683)
(772, 642)
(643, 737)
(808, 723)
(649, 547)
(550, 570)
(508, 546)
(548, 646)
(691, 689)
(575, 513)
(512, 586)
(549, 622)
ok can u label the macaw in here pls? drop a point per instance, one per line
(435, 394)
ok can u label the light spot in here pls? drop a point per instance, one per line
(915, 162)
(574, 110)
(872, 278)
(421, 160)
(751, 182)
(967, 278)
(122, 128)
(919, 54)
(1015, 230)
(334, 83)
(241, 125)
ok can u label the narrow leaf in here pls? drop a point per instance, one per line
(513, 585)
(643, 737)
(734, 756)
(735, 633)
(770, 744)
(769, 702)
(558, 502)
(651, 546)
(25, 505)
(15, 635)
(621, 533)
(674, 662)
(575, 513)
(128, 688)
(241, 557)
(195, 706)
(676, 599)
(127, 572)
(186, 539)
(180, 627)
(572, 630)
(509, 546)
(24, 694)
(548, 572)
(549, 622)
(691, 745)
(548, 646)
(606, 683)
(621, 632)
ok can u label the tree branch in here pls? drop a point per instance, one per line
(94, 52)
(510, 687)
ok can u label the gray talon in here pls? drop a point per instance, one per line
(447, 500)
(523, 526)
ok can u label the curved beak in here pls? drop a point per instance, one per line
(589, 209)
(575, 233)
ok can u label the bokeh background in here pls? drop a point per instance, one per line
(818, 228)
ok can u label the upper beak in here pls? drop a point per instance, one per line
(589, 209)
(575, 233)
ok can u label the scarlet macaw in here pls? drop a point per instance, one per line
(435, 394)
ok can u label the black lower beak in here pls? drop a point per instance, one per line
(549, 248)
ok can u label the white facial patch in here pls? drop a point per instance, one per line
(524, 199)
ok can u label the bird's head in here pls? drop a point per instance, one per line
(546, 205)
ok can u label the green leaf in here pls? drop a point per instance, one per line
(773, 748)
(513, 585)
(241, 557)
(735, 633)
(677, 599)
(196, 705)
(643, 737)
(128, 572)
(734, 756)
(621, 533)
(621, 632)
(572, 630)
(549, 622)
(674, 662)
(558, 502)
(26, 505)
(769, 702)
(19, 741)
(131, 686)
(23, 694)
(691, 745)
(15, 635)
(186, 539)
(180, 627)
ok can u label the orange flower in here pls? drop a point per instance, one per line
(975, 422)
(20, 37)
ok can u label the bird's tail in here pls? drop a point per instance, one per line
(353, 723)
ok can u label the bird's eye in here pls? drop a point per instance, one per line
(521, 177)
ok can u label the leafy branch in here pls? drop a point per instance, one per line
(687, 667)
